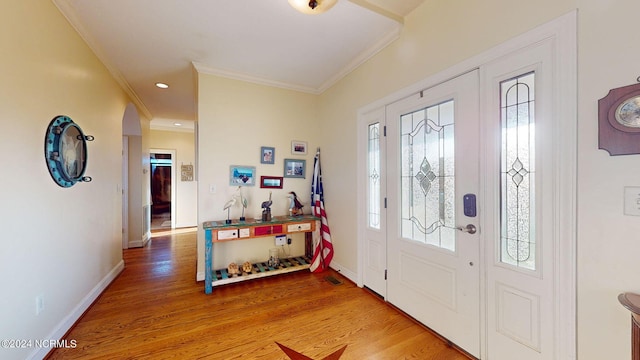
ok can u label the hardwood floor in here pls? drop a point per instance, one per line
(155, 309)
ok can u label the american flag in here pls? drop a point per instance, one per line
(322, 248)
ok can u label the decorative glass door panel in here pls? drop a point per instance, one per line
(373, 167)
(518, 246)
(428, 175)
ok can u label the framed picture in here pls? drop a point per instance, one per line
(267, 155)
(298, 147)
(271, 182)
(294, 168)
(242, 175)
(186, 172)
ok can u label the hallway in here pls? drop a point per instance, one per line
(155, 309)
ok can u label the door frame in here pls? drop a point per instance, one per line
(173, 180)
(563, 32)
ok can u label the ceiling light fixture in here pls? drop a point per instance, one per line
(162, 85)
(311, 7)
(177, 124)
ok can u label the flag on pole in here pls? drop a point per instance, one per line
(322, 248)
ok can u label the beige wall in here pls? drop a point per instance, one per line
(186, 191)
(235, 119)
(608, 241)
(58, 243)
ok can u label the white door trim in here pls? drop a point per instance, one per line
(174, 180)
(563, 31)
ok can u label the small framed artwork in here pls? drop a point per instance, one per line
(299, 147)
(294, 168)
(242, 175)
(267, 155)
(186, 172)
(271, 182)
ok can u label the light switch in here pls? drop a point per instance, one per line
(632, 200)
(212, 188)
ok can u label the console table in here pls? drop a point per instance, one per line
(220, 231)
(631, 302)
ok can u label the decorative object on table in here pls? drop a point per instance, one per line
(243, 202)
(242, 175)
(274, 258)
(227, 206)
(186, 172)
(619, 120)
(232, 269)
(322, 249)
(65, 151)
(271, 182)
(247, 267)
(267, 155)
(295, 207)
(266, 209)
(294, 168)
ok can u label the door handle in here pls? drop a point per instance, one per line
(470, 229)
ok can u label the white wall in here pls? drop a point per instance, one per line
(62, 244)
(608, 241)
(186, 191)
(235, 119)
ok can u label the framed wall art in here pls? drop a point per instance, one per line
(186, 172)
(298, 147)
(271, 182)
(242, 175)
(267, 155)
(294, 168)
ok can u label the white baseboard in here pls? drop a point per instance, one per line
(140, 242)
(344, 271)
(65, 325)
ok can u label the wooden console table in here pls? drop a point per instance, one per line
(219, 231)
(632, 303)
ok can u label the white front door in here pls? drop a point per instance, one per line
(433, 243)
(507, 291)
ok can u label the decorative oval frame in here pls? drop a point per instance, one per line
(65, 151)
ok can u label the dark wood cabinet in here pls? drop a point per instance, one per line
(631, 302)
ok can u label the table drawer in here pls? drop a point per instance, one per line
(299, 227)
(227, 234)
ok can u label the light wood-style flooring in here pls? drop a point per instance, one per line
(155, 309)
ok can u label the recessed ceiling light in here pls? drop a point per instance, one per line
(162, 85)
(177, 124)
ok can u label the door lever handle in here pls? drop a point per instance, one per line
(470, 229)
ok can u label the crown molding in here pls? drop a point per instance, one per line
(66, 8)
(206, 69)
(361, 59)
(354, 64)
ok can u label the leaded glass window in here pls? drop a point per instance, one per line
(518, 237)
(373, 164)
(427, 176)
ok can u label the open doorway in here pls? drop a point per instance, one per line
(162, 180)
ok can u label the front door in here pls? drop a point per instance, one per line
(433, 179)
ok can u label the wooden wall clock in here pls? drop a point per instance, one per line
(619, 121)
